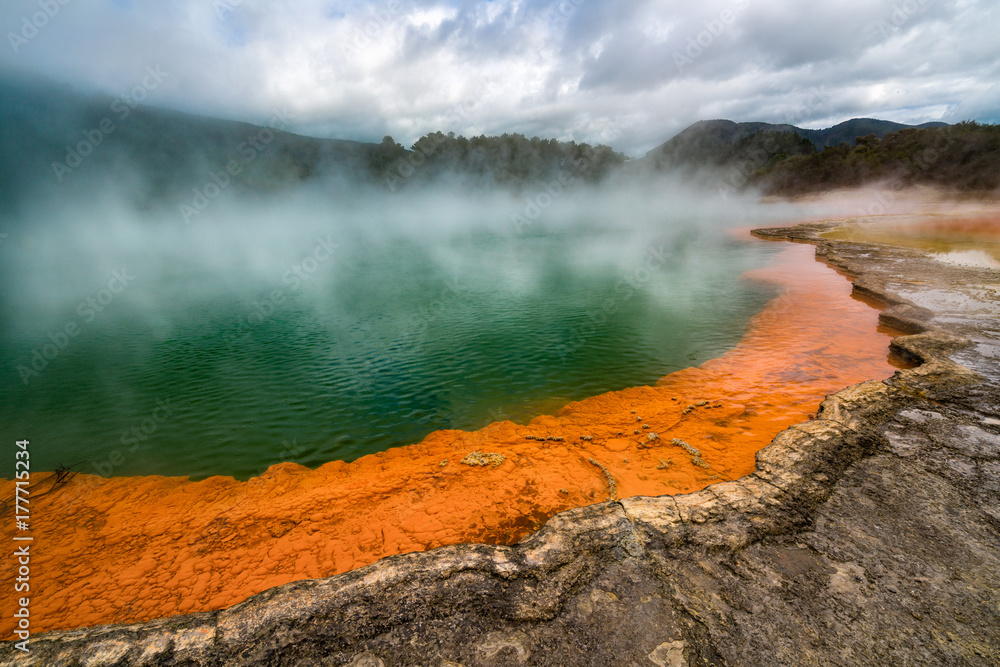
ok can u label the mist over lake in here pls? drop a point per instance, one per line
(312, 326)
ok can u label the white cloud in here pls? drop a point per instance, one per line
(580, 69)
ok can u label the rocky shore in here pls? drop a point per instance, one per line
(132, 549)
(868, 534)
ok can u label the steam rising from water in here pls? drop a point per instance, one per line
(316, 324)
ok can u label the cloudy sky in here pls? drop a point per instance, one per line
(630, 73)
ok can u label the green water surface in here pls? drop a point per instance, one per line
(374, 345)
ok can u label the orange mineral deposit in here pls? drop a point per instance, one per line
(131, 549)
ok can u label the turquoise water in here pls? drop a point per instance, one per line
(332, 343)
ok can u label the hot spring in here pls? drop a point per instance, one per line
(300, 329)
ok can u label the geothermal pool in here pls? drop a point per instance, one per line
(228, 347)
(127, 549)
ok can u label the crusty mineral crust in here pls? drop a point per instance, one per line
(870, 535)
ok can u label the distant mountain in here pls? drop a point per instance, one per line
(714, 143)
(963, 157)
(849, 130)
(50, 134)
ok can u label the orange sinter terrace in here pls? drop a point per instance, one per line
(129, 549)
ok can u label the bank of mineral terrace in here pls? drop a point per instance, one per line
(866, 532)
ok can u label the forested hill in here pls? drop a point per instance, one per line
(50, 134)
(715, 143)
(509, 160)
(963, 157)
(786, 160)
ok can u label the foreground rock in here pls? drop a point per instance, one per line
(868, 535)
